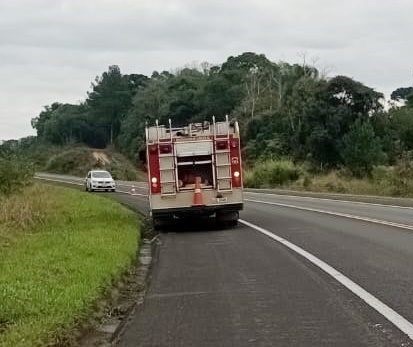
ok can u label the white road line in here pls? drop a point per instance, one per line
(329, 199)
(339, 214)
(60, 181)
(133, 194)
(81, 184)
(132, 185)
(399, 321)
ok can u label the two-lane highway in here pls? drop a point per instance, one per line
(298, 272)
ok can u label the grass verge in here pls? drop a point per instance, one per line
(60, 250)
(391, 181)
(335, 182)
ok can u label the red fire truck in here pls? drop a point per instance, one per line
(194, 170)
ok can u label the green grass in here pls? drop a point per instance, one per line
(391, 184)
(271, 173)
(15, 174)
(57, 258)
(122, 169)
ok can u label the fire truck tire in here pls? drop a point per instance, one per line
(229, 218)
(233, 223)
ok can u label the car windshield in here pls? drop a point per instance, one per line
(101, 174)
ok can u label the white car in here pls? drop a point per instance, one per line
(99, 180)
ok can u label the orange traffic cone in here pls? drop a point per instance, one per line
(198, 198)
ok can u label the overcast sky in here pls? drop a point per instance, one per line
(51, 50)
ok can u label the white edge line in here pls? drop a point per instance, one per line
(74, 182)
(132, 185)
(81, 184)
(339, 214)
(133, 194)
(60, 181)
(336, 200)
(399, 321)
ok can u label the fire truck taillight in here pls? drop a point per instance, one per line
(154, 185)
(236, 179)
(235, 163)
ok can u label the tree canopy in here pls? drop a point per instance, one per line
(285, 110)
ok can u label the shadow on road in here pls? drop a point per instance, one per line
(198, 224)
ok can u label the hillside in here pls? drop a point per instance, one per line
(79, 160)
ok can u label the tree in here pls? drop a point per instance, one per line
(217, 97)
(149, 103)
(401, 93)
(361, 148)
(359, 99)
(401, 124)
(111, 98)
(184, 91)
(39, 122)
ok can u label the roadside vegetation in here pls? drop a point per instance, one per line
(79, 160)
(75, 159)
(395, 180)
(270, 173)
(15, 172)
(292, 116)
(60, 250)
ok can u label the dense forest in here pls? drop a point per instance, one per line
(286, 111)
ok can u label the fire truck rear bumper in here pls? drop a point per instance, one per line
(196, 210)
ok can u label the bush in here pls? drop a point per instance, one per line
(395, 180)
(15, 173)
(75, 161)
(271, 173)
(382, 173)
(122, 169)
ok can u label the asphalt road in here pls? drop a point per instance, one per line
(298, 272)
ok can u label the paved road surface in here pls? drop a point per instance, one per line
(242, 287)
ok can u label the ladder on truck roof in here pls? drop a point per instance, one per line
(222, 155)
(167, 163)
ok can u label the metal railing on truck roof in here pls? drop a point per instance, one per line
(161, 133)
